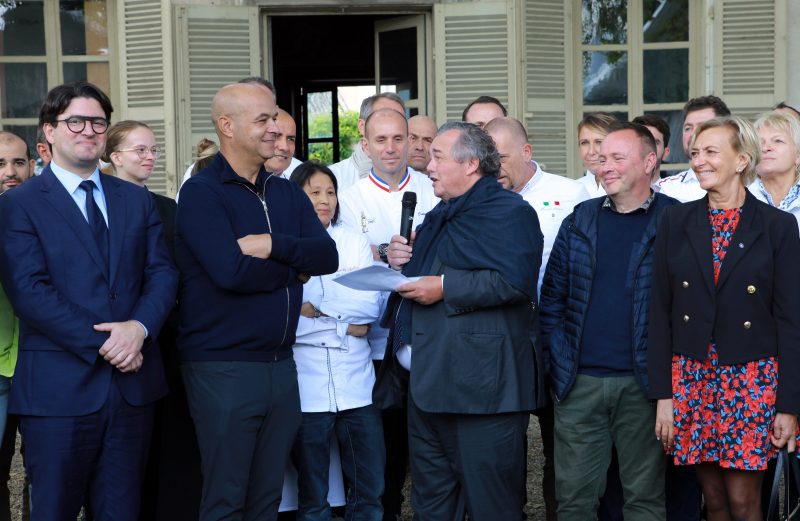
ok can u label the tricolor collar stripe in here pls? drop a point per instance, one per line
(383, 185)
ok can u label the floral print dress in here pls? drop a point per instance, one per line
(723, 413)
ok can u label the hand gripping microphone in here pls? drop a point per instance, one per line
(407, 217)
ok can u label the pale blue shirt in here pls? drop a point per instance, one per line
(72, 183)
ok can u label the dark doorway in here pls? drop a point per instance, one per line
(316, 58)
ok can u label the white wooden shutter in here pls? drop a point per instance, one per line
(474, 55)
(215, 46)
(146, 84)
(548, 111)
(750, 44)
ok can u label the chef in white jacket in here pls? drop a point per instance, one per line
(335, 371)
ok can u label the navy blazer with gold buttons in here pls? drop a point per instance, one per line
(752, 312)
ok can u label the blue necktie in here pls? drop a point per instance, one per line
(95, 217)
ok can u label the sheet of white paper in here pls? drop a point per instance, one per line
(374, 278)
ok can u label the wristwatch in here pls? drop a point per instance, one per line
(382, 249)
(317, 312)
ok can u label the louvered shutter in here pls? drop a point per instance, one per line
(146, 81)
(216, 46)
(750, 72)
(548, 114)
(473, 56)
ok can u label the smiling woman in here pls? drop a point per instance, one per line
(778, 182)
(723, 405)
(131, 150)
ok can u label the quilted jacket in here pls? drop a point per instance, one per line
(568, 283)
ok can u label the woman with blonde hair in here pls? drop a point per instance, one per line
(778, 182)
(724, 329)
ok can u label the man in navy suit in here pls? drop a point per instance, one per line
(83, 260)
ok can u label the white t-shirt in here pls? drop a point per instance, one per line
(369, 208)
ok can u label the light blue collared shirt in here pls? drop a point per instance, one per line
(72, 183)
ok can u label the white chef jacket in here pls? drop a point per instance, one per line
(553, 197)
(349, 171)
(334, 370)
(592, 187)
(683, 186)
(369, 208)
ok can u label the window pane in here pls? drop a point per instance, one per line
(674, 119)
(666, 21)
(84, 27)
(96, 73)
(604, 21)
(319, 107)
(666, 76)
(23, 86)
(22, 28)
(605, 78)
(321, 152)
(398, 60)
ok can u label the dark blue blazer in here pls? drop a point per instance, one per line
(60, 286)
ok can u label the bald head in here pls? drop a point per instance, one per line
(421, 131)
(232, 100)
(245, 120)
(511, 140)
(512, 126)
(10, 139)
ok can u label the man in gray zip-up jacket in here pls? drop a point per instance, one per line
(245, 242)
(594, 304)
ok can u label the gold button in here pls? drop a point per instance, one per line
(685, 318)
(751, 289)
(685, 284)
(747, 325)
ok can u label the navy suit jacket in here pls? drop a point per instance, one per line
(59, 285)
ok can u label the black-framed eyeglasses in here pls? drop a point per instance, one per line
(142, 151)
(76, 124)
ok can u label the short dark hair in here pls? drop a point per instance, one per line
(41, 139)
(368, 103)
(59, 98)
(642, 132)
(784, 105)
(258, 80)
(484, 99)
(651, 120)
(706, 102)
(474, 142)
(303, 173)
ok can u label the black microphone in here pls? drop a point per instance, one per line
(407, 217)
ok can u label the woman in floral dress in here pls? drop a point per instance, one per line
(725, 325)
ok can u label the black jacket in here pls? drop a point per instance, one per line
(753, 312)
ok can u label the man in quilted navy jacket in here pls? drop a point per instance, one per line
(594, 304)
